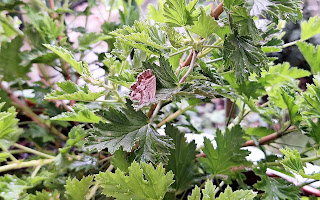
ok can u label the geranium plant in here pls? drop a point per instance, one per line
(124, 140)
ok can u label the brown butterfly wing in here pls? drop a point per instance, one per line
(144, 90)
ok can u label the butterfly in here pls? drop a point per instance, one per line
(144, 90)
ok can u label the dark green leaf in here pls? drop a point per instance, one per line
(181, 159)
(227, 154)
(125, 128)
(243, 57)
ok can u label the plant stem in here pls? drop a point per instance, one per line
(156, 110)
(27, 149)
(214, 60)
(289, 44)
(193, 61)
(213, 46)
(304, 160)
(174, 115)
(19, 165)
(181, 51)
(231, 112)
(310, 148)
(6, 151)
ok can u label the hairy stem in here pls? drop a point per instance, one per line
(193, 61)
(27, 149)
(19, 165)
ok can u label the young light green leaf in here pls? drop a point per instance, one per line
(90, 38)
(181, 160)
(143, 182)
(139, 2)
(149, 38)
(71, 91)
(3, 156)
(120, 161)
(243, 57)
(124, 129)
(157, 14)
(293, 108)
(80, 114)
(45, 195)
(75, 135)
(178, 14)
(195, 195)
(275, 188)
(311, 54)
(227, 154)
(205, 25)
(209, 193)
(236, 195)
(311, 99)
(11, 187)
(8, 123)
(80, 67)
(292, 160)
(310, 28)
(78, 190)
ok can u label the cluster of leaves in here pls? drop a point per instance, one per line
(76, 143)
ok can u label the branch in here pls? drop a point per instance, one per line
(19, 165)
(270, 137)
(217, 11)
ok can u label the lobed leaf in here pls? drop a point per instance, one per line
(71, 91)
(311, 54)
(310, 28)
(143, 182)
(227, 154)
(124, 128)
(78, 190)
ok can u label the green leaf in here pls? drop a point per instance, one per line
(166, 78)
(209, 193)
(243, 57)
(292, 161)
(8, 123)
(205, 25)
(195, 195)
(275, 188)
(87, 39)
(11, 187)
(80, 67)
(178, 14)
(124, 129)
(80, 114)
(149, 38)
(229, 3)
(120, 161)
(75, 135)
(227, 154)
(244, 22)
(45, 25)
(38, 132)
(276, 9)
(236, 195)
(78, 190)
(181, 160)
(310, 28)
(139, 2)
(311, 54)
(10, 66)
(315, 130)
(3, 156)
(259, 131)
(281, 73)
(311, 99)
(71, 91)
(126, 79)
(45, 195)
(143, 182)
(156, 14)
(292, 106)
